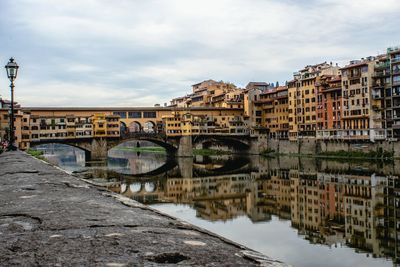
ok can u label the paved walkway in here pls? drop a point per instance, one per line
(50, 218)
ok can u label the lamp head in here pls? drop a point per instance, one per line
(12, 69)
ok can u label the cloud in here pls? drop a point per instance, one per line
(159, 48)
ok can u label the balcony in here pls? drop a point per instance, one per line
(396, 125)
(395, 60)
(377, 85)
(396, 104)
(377, 117)
(396, 72)
(382, 66)
(354, 76)
(381, 74)
(376, 96)
(376, 108)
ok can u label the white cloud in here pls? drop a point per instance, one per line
(163, 47)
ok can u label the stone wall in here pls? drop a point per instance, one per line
(258, 145)
(308, 146)
(285, 146)
(311, 146)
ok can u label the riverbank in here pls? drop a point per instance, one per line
(311, 147)
(48, 217)
(339, 155)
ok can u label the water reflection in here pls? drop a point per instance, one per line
(344, 206)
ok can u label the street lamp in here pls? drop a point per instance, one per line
(12, 70)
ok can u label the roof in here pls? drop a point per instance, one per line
(281, 88)
(355, 65)
(210, 80)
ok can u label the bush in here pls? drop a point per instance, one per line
(35, 153)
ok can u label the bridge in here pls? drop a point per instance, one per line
(176, 146)
(96, 130)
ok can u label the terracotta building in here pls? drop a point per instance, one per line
(329, 98)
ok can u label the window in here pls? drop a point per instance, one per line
(122, 114)
(134, 114)
(149, 114)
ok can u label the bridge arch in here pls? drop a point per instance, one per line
(170, 149)
(149, 127)
(124, 188)
(150, 187)
(135, 187)
(63, 142)
(238, 143)
(123, 129)
(135, 127)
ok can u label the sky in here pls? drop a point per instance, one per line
(141, 53)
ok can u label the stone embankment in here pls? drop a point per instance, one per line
(50, 218)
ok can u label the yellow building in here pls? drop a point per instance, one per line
(273, 105)
(230, 121)
(105, 125)
(210, 93)
(4, 124)
(302, 99)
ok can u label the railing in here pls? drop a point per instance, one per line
(376, 96)
(337, 134)
(396, 126)
(384, 65)
(381, 73)
(393, 49)
(395, 59)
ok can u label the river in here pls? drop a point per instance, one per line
(303, 211)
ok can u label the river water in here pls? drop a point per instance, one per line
(303, 211)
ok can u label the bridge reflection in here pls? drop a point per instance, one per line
(327, 202)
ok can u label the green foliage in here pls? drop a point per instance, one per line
(35, 153)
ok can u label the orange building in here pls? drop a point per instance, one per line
(329, 97)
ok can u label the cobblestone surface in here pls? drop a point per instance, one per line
(50, 218)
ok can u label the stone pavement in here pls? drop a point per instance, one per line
(50, 218)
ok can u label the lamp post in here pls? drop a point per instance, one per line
(12, 70)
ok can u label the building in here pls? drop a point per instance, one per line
(361, 107)
(394, 59)
(4, 124)
(252, 111)
(210, 93)
(271, 112)
(303, 97)
(223, 121)
(329, 102)
(263, 86)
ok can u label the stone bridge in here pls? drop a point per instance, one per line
(180, 146)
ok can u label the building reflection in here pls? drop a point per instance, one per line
(328, 202)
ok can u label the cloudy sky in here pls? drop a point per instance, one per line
(138, 53)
